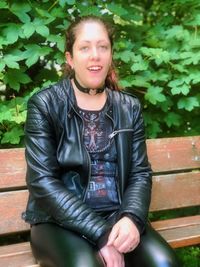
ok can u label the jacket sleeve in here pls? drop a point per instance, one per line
(137, 195)
(43, 177)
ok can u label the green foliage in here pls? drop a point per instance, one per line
(156, 54)
(189, 257)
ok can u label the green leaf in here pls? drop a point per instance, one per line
(193, 59)
(125, 56)
(42, 30)
(32, 60)
(2, 65)
(140, 82)
(88, 10)
(16, 77)
(194, 21)
(40, 27)
(33, 53)
(12, 32)
(5, 114)
(28, 29)
(154, 95)
(172, 119)
(20, 10)
(20, 118)
(64, 2)
(3, 4)
(153, 128)
(157, 54)
(183, 89)
(188, 103)
(60, 58)
(13, 136)
(45, 14)
(59, 40)
(176, 82)
(179, 67)
(70, 2)
(177, 32)
(194, 76)
(134, 80)
(10, 61)
(139, 66)
(117, 9)
(159, 75)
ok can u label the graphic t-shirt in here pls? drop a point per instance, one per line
(102, 191)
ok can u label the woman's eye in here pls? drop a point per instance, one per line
(84, 48)
(103, 47)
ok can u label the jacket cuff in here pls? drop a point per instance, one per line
(103, 239)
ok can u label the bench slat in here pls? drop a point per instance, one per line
(178, 222)
(12, 205)
(169, 154)
(12, 168)
(181, 232)
(175, 191)
(18, 255)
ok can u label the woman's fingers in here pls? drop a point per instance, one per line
(124, 236)
(112, 257)
(113, 235)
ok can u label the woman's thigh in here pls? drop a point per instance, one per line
(54, 246)
(153, 251)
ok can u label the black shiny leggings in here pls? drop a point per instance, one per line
(54, 246)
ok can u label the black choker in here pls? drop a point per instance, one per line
(87, 90)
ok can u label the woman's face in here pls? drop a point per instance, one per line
(92, 55)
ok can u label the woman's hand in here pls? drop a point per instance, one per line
(124, 236)
(112, 257)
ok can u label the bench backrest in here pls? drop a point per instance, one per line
(176, 180)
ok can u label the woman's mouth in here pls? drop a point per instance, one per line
(95, 68)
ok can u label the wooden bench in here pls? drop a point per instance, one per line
(176, 184)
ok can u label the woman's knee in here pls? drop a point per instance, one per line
(153, 251)
(158, 250)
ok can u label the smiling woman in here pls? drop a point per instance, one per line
(87, 168)
(91, 55)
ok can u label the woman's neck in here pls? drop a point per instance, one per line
(89, 102)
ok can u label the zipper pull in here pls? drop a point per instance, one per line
(112, 134)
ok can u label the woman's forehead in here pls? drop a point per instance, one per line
(91, 30)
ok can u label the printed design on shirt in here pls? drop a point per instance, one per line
(102, 191)
(96, 130)
(92, 131)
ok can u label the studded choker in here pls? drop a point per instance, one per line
(88, 90)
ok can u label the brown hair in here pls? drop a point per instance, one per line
(111, 79)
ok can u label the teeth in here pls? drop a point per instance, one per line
(94, 68)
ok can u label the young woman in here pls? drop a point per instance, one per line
(87, 169)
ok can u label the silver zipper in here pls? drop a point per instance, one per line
(119, 131)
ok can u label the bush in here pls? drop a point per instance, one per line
(156, 53)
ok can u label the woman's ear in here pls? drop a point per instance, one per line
(69, 59)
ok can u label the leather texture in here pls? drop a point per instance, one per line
(58, 165)
(54, 246)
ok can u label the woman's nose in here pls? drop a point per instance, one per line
(94, 53)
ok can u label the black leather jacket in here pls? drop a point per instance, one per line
(58, 165)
